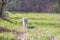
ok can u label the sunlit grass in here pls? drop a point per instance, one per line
(45, 25)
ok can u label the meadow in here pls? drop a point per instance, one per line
(45, 25)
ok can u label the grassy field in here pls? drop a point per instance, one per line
(45, 25)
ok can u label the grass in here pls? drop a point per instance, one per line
(45, 25)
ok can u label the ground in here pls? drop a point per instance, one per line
(45, 25)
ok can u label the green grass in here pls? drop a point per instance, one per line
(45, 25)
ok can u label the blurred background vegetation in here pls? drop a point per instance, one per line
(50, 6)
(43, 17)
